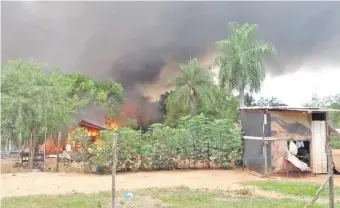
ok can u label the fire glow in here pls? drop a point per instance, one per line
(111, 124)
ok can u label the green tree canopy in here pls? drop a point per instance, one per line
(272, 101)
(193, 86)
(332, 101)
(33, 100)
(108, 93)
(241, 59)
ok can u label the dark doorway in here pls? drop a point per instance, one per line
(319, 116)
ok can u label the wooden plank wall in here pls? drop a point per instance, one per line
(319, 156)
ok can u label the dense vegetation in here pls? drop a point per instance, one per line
(212, 143)
(201, 117)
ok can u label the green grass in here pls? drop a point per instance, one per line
(292, 188)
(61, 201)
(175, 198)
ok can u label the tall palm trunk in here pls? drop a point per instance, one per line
(192, 107)
(242, 97)
(192, 103)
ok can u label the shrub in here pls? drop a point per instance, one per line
(335, 142)
(161, 147)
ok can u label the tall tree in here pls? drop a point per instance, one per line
(108, 93)
(333, 102)
(249, 100)
(315, 101)
(273, 101)
(241, 59)
(33, 100)
(194, 84)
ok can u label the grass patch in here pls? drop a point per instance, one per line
(150, 198)
(292, 188)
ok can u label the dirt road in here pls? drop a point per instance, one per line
(60, 183)
(22, 184)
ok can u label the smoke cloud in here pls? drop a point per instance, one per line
(136, 42)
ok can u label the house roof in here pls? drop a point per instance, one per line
(289, 108)
(90, 125)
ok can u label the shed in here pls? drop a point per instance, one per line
(267, 132)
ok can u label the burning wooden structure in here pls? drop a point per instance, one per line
(270, 132)
(93, 120)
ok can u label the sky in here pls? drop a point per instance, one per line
(296, 88)
(139, 44)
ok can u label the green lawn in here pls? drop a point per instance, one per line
(175, 198)
(292, 188)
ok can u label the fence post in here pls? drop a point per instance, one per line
(330, 175)
(114, 165)
(265, 151)
(59, 136)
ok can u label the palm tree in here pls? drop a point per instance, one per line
(194, 84)
(241, 59)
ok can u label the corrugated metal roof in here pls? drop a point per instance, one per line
(288, 108)
(91, 125)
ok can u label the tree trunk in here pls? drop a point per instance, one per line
(241, 97)
(32, 149)
(58, 143)
(192, 107)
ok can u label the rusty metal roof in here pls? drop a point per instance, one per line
(91, 125)
(289, 108)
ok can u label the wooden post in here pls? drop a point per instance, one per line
(330, 175)
(265, 151)
(265, 154)
(321, 188)
(329, 165)
(59, 136)
(114, 165)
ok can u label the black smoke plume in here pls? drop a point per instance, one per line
(133, 41)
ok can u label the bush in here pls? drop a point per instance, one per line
(197, 140)
(335, 142)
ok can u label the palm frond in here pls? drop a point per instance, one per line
(241, 58)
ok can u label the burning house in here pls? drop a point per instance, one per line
(280, 139)
(92, 119)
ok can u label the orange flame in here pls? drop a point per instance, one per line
(111, 124)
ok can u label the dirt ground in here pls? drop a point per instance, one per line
(35, 183)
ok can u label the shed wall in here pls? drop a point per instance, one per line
(281, 125)
(253, 155)
(290, 125)
(252, 123)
